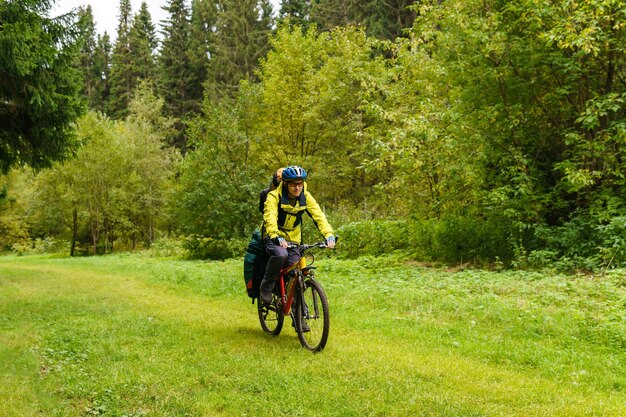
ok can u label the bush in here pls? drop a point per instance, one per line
(13, 231)
(200, 247)
(470, 239)
(167, 247)
(374, 237)
(582, 243)
(450, 240)
(48, 245)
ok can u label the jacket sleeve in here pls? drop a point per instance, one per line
(318, 216)
(270, 214)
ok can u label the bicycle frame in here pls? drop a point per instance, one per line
(286, 294)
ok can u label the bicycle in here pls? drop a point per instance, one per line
(297, 287)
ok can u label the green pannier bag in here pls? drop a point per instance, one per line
(254, 263)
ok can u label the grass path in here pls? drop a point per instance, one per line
(130, 336)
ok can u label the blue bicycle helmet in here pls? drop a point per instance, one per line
(293, 173)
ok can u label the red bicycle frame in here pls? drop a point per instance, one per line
(286, 294)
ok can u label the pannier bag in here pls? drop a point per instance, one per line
(254, 263)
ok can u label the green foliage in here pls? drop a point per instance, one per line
(48, 245)
(202, 25)
(580, 244)
(142, 42)
(451, 240)
(102, 66)
(373, 238)
(217, 191)
(199, 247)
(117, 187)
(295, 12)
(122, 79)
(39, 86)
(490, 131)
(309, 108)
(13, 231)
(456, 240)
(242, 30)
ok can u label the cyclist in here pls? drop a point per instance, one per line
(282, 217)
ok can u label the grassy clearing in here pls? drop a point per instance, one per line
(137, 336)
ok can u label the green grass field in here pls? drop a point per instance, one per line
(130, 335)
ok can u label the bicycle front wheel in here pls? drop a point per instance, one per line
(271, 316)
(312, 317)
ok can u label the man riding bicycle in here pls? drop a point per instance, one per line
(282, 219)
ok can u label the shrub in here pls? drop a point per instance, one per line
(462, 239)
(374, 237)
(13, 231)
(200, 247)
(450, 240)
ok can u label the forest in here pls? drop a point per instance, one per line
(452, 131)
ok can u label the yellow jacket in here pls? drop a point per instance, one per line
(281, 219)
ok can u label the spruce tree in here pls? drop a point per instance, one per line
(383, 19)
(297, 11)
(121, 68)
(241, 40)
(86, 57)
(142, 43)
(388, 19)
(175, 71)
(102, 67)
(327, 14)
(39, 84)
(203, 19)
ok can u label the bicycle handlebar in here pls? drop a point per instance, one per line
(305, 247)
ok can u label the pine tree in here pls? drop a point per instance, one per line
(142, 43)
(121, 68)
(241, 40)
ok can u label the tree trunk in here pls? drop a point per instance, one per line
(74, 231)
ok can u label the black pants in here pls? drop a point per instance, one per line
(279, 257)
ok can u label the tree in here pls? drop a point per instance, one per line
(142, 42)
(87, 54)
(538, 91)
(297, 11)
(116, 188)
(241, 40)
(383, 19)
(388, 19)
(311, 92)
(327, 14)
(202, 28)
(218, 176)
(121, 83)
(176, 78)
(102, 67)
(39, 84)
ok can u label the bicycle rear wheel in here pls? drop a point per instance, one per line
(312, 316)
(271, 316)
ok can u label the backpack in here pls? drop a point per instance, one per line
(254, 263)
